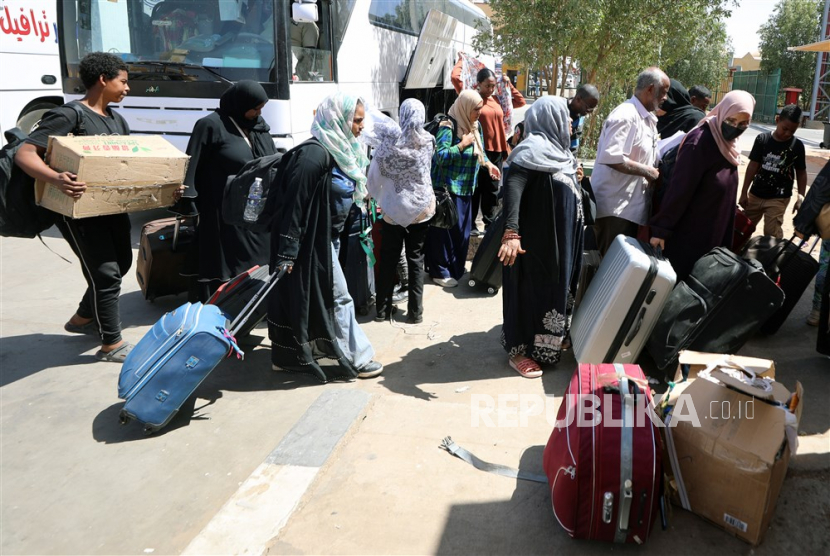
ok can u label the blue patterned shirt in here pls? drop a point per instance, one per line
(452, 168)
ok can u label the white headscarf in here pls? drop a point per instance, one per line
(333, 128)
(547, 142)
(399, 177)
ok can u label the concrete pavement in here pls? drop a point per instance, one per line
(74, 481)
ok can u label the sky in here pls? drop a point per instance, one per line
(743, 25)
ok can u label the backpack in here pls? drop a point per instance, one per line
(235, 196)
(20, 216)
(666, 171)
(433, 125)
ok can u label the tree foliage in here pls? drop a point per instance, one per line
(705, 60)
(794, 22)
(610, 40)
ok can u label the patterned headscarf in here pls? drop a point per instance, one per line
(399, 177)
(333, 128)
(547, 142)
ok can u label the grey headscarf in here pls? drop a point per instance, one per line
(547, 142)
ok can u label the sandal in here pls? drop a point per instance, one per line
(88, 328)
(118, 355)
(526, 367)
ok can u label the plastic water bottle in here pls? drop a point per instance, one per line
(254, 205)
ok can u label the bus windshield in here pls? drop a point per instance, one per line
(212, 41)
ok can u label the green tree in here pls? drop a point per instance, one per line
(611, 41)
(706, 60)
(794, 22)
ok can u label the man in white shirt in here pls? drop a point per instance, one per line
(626, 157)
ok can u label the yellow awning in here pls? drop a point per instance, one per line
(821, 46)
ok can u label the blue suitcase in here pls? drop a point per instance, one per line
(176, 355)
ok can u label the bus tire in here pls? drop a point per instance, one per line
(30, 119)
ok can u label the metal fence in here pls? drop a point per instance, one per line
(764, 86)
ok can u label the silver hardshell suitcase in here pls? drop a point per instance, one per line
(622, 303)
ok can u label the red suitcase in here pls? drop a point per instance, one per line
(605, 478)
(742, 230)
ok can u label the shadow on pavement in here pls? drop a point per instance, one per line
(107, 427)
(25, 355)
(465, 357)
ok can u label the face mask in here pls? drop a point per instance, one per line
(730, 132)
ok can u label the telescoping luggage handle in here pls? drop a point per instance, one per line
(792, 255)
(259, 296)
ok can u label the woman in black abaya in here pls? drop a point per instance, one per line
(219, 147)
(678, 112)
(542, 243)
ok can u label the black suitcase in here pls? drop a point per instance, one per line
(354, 259)
(487, 268)
(722, 303)
(162, 252)
(790, 267)
(234, 295)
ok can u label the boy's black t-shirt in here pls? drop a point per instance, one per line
(63, 120)
(779, 161)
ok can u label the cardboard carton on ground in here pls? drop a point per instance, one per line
(730, 469)
(122, 174)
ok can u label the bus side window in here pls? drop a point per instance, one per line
(311, 47)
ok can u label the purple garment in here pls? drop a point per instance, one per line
(698, 209)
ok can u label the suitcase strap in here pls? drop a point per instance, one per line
(626, 457)
(459, 452)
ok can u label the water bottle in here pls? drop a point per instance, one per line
(254, 205)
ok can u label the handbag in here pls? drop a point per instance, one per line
(823, 222)
(446, 215)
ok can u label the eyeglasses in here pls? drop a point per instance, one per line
(734, 123)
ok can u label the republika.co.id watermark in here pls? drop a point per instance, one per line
(590, 410)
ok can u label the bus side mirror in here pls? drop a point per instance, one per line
(304, 11)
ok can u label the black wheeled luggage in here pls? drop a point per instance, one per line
(356, 261)
(791, 268)
(487, 268)
(721, 304)
(162, 253)
(234, 295)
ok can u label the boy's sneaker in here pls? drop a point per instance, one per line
(813, 317)
(370, 370)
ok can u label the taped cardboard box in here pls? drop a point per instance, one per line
(122, 174)
(730, 460)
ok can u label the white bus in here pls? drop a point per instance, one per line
(29, 63)
(183, 54)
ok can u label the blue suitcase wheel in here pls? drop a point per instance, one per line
(471, 283)
(492, 291)
(124, 417)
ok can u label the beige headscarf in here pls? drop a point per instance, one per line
(733, 103)
(460, 112)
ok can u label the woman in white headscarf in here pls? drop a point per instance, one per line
(399, 179)
(311, 315)
(542, 242)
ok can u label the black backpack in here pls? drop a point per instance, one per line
(20, 216)
(235, 196)
(433, 125)
(666, 171)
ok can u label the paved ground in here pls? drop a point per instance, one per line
(280, 464)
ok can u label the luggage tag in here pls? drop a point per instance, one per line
(234, 346)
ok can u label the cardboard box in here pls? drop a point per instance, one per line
(122, 174)
(730, 468)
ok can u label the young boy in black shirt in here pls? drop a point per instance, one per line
(102, 243)
(775, 159)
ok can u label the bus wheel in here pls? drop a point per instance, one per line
(31, 119)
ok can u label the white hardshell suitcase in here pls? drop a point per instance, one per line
(622, 303)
